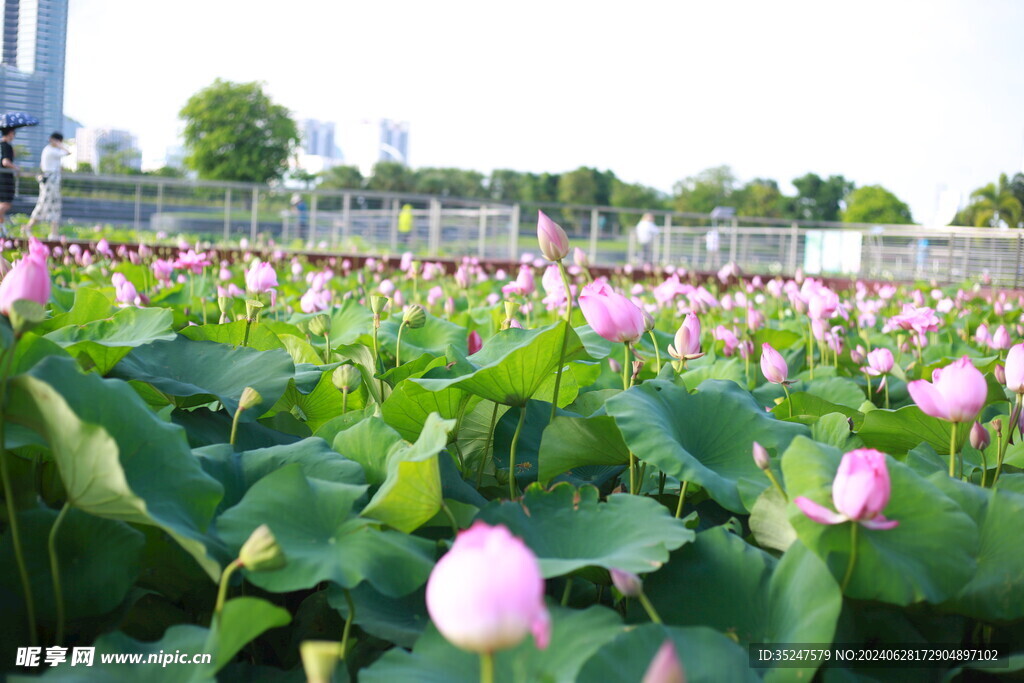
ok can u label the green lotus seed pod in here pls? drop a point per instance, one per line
(261, 552)
(346, 377)
(414, 316)
(250, 399)
(320, 325)
(378, 304)
(319, 659)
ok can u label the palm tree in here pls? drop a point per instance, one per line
(994, 205)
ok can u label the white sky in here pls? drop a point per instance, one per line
(914, 95)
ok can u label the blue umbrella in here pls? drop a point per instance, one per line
(17, 119)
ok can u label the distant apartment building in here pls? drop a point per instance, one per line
(92, 145)
(373, 140)
(33, 35)
(318, 139)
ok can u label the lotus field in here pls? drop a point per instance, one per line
(312, 470)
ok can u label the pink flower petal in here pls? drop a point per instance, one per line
(818, 513)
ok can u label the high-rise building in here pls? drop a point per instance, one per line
(318, 139)
(32, 67)
(93, 144)
(373, 140)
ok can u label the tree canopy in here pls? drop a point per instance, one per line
(233, 131)
(875, 204)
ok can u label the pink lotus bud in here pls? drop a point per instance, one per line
(28, 279)
(1014, 370)
(755, 320)
(860, 491)
(554, 243)
(857, 355)
(957, 392)
(260, 278)
(473, 342)
(1000, 373)
(1001, 338)
(610, 314)
(686, 345)
(980, 437)
(614, 365)
(665, 667)
(627, 583)
(760, 456)
(487, 593)
(580, 258)
(773, 365)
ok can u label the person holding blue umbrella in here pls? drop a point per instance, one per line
(8, 182)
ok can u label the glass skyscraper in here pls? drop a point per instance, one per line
(32, 68)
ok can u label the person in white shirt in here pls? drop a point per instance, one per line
(48, 206)
(646, 231)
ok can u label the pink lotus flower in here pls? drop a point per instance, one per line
(190, 260)
(686, 345)
(29, 279)
(554, 243)
(315, 300)
(920, 320)
(487, 593)
(610, 314)
(665, 667)
(728, 338)
(580, 258)
(473, 342)
(860, 491)
(1014, 369)
(124, 291)
(880, 362)
(957, 392)
(1001, 338)
(773, 365)
(260, 278)
(523, 285)
(163, 269)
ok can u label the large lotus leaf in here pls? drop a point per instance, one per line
(30, 350)
(242, 620)
(570, 529)
(597, 346)
(261, 338)
(320, 405)
(834, 429)
(89, 305)
(349, 321)
(205, 427)
(705, 655)
(900, 565)
(995, 589)
(411, 494)
(731, 369)
(838, 390)
(362, 357)
(108, 340)
(99, 563)
(369, 443)
(237, 472)
(432, 338)
(704, 437)
(299, 349)
(183, 367)
(116, 458)
(575, 636)
(723, 582)
(476, 433)
(570, 442)
(898, 431)
(807, 408)
(514, 364)
(400, 620)
(316, 525)
(410, 404)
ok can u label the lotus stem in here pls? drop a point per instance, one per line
(657, 354)
(565, 337)
(649, 608)
(952, 449)
(512, 454)
(853, 556)
(682, 497)
(58, 591)
(222, 590)
(486, 667)
(348, 621)
(398, 348)
(487, 447)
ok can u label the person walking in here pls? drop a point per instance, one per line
(7, 175)
(49, 204)
(646, 231)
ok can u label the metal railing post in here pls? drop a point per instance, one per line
(595, 233)
(312, 221)
(159, 197)
(138, 206)
(513, 234)
(1017, 262)
(346, 217)
(794, 246)
(255, 217)
(667, 248)
(481, 248)
(227, 214)
(732, 240)
(435, 226)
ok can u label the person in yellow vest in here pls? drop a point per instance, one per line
(406, 224)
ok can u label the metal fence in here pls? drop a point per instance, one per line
(358, 221)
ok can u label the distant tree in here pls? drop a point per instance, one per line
(636, 196)
(167, 172)
(233, 131)
(506, 185)
(114, 161)
(995, 204)
(391, 176)
(341, 178)
(449, 182)
(542, 187)
(303, 176)
(821, 199)
(875, 204)
(706, 190)
(762, 197)
(84, 167)
(586, 186)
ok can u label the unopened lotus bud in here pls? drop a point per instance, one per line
(1000, 372)
(250, 399)
(320, 325)
(346, 377)
(580, 258)
(665, 667)
(638, 365)
(614, 365)
(761, 456)
(414, 316)
(261, 552)
(319, 659)
(627, 583)
(553, 241)
(648, 322)
(997, 425)
(980, 438)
